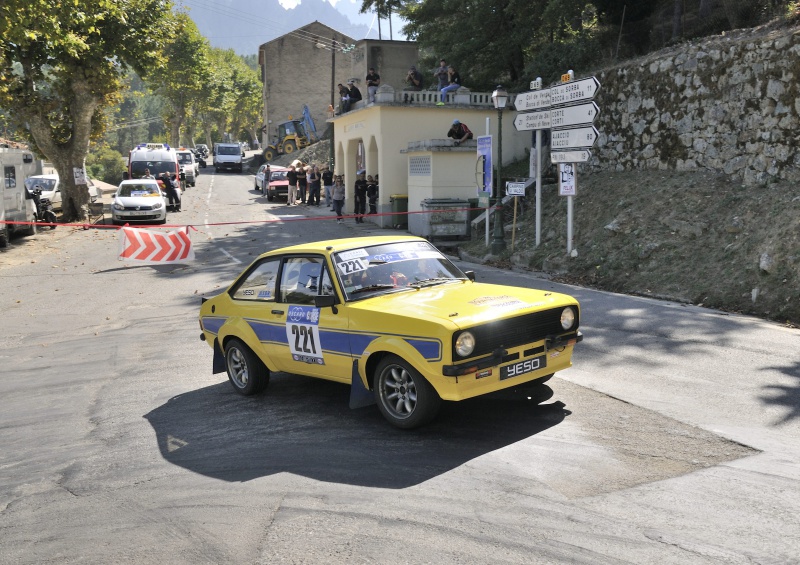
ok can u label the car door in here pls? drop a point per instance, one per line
(316, 339)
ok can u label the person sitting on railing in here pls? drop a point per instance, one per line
(455, 83)
(413, 81)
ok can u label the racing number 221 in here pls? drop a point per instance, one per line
(304, 334)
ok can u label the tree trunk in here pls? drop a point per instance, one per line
(677, 19)
(706, 7)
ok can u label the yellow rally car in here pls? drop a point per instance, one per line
(391, 316)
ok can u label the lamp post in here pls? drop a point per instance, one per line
(499, 98)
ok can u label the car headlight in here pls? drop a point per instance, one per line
(158, 205)
(118, 206)
(567, 317)
(465, 344)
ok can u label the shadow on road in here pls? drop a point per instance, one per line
(304, 426)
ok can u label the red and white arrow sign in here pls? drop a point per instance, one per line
(150, 246)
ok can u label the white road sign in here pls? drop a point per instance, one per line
(532, 100)
(570, 156)
(572, 115)
(515, 188)
(575, 91)
(577, 137)
(533, 120)
(567, 181)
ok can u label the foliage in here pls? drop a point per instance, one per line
(105, 164)
(62, 65)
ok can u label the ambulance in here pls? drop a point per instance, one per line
(158, 158)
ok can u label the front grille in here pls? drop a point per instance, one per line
(514, 332)
(137, 208)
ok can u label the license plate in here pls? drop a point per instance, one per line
(141, 213)
(522, 367)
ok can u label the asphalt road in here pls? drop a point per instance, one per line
(675, 438)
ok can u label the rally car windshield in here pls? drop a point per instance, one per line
(380, 269)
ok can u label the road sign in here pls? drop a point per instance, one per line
(577, 137)
(532, 100)
(570, 156)
(572, 115)
(515, 188)
(567, 182)
(533, 120)
(575, 91)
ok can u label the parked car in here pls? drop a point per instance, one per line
(259, 180)
(278, 183)
(139, 200)
(189, 165)
(51, 189)
(391, 316)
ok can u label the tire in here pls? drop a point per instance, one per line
(4, 235)
(289, 147)
(269, 154)
(31, 229)
(247, 373)
(403, 395)
(270, 196)
(50, 218)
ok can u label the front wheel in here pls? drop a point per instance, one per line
(289, 147)
(269, 154)
(246, 371)
(403, 395)
(50, 218)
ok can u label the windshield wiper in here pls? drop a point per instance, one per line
(432, 281)
(372, 287)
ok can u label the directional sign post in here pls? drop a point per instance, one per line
(576, 91)
(573, 115)
(533, 100)
(532, 121)
(581, 156)
(574, 138)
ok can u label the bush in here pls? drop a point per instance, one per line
(105, 164)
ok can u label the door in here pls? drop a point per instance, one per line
(317, 342)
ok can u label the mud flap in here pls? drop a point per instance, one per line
(218, 365)
(360, 396)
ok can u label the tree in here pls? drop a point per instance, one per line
(185, 73)
(61, 67)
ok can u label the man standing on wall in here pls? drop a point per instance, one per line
(373, 82)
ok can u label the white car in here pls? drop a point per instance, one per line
(51, 189)
(189, 166)
(260, 178)
(139, 200)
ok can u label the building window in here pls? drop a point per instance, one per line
(419, 167)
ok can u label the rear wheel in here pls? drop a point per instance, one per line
(289, 147)
(269, 154)
(4, 235)
(270, 196)
(403, 395)
(50, 218)
(31, 229)
(246, 371)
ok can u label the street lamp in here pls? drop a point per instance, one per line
(499, 98)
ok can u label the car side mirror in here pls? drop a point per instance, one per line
(470, 275)
(325, 300)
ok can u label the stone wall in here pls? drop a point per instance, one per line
(728, 103)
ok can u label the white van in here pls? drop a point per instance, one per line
(51, 188)
(16, 204)
(228, 156)
(157, 158)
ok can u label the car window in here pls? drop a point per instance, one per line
(145, 189)
(278, 175)
(259, 284)
(300, 280)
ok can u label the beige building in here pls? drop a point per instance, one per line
(407, 145)
(305, 66)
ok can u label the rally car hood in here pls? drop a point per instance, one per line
(466, 303)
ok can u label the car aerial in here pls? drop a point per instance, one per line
(278, 183)
(391, 316)
(189, 165)
(51, 188)
(139, 200)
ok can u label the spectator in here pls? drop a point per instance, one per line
(360, 190)
(353, 92)
(344, 99)
(459, 132)
(455, 83)
(414, 81)
(291, 176)
(314, 183)
(265, 182)
(327, 182)
(172, 192)
(441, 74)
(372, 194)
(337, 194)
(302, 182)
(373, 82)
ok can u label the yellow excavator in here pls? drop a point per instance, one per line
(292, 135)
